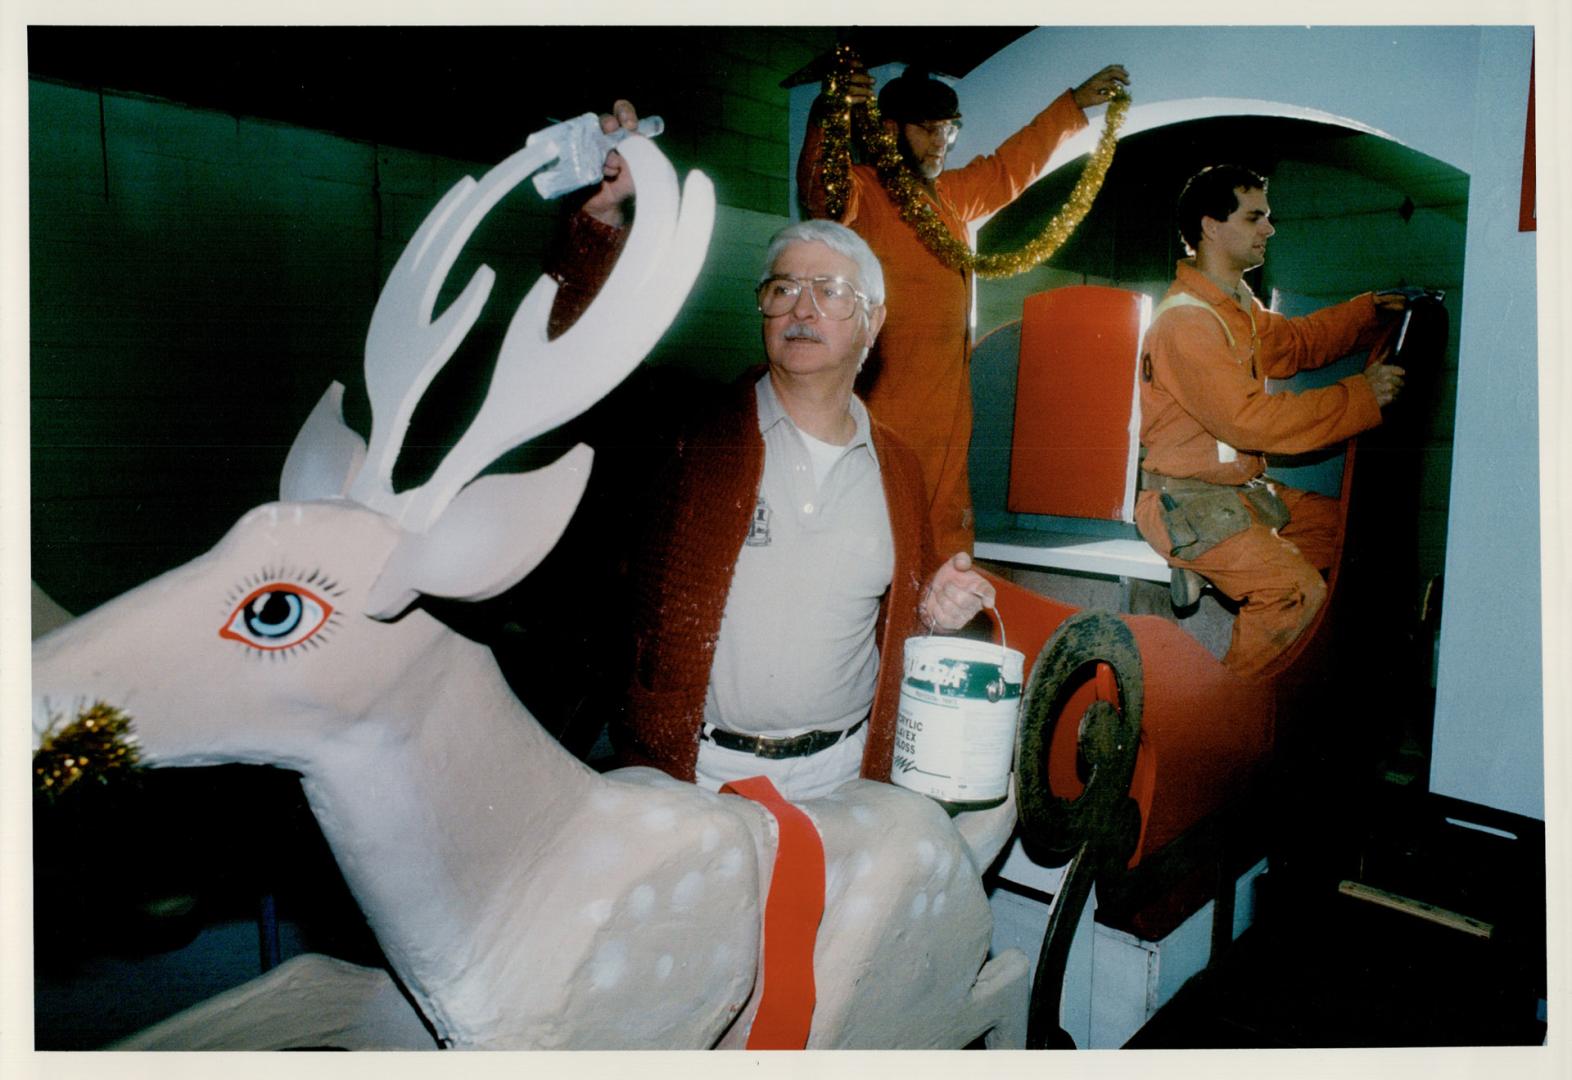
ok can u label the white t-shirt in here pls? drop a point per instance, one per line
(797, 649)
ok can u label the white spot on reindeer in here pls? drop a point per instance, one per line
(919, 904)
(927, 854)
(603, 854)
(946, 860)
(709, 838)
(641, 901)
(688, 891)
(938, 904)
(864, 864)
(664, 965)
(862, 815)
(857, 909)
(660, 819)
(598, 911)
(609, 964)
(606, 799)
(836, 873)
(731, 864)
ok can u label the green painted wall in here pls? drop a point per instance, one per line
(198, 279)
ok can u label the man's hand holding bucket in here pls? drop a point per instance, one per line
(956, 594)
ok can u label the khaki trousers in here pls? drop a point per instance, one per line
(1276, 577)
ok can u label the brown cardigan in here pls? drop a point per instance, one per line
(683, 575)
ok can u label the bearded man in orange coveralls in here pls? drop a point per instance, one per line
(1207, 420)
(918, 380)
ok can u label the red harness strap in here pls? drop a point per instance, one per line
(792, 913)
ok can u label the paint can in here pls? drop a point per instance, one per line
(955, 729)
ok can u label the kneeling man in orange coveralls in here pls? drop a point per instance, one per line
(1207, 421)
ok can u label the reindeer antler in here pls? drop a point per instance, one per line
(539, 384)
(405, 348)
(501, 526)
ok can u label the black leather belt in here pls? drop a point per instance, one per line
(809, 742)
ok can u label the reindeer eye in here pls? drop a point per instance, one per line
(277, 616)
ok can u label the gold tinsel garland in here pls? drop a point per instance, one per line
(908, 194)
(98, 745)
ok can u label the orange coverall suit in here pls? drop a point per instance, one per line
(1197, 391)
(921, 385)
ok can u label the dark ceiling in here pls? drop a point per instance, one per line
(474, 92)
(468, 92)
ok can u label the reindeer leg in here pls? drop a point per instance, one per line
(310, 1001)
(1001, 996)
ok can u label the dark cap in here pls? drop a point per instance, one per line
(913, 97)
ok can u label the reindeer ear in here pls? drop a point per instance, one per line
(326, 454)
(496, 530)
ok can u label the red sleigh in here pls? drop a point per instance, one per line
(1144, 765)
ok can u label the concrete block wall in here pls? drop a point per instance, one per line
(735, 72)
(198, 279)
(193, 288)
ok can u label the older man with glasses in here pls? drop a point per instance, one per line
(918, 382)
(789, 556)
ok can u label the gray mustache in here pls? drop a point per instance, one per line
(803, 331)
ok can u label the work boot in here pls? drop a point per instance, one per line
(1184, 587)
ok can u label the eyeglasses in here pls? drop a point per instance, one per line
(833, 297)
(948, 130)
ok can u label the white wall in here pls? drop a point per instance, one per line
(1458, 94)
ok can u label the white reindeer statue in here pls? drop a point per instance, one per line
(522, 900)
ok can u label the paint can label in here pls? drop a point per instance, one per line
(955, 729)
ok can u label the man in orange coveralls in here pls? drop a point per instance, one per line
(1207, 420)
(918, 380)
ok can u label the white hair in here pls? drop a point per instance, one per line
(839, 239)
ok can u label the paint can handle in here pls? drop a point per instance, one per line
(992, 610)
